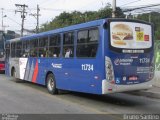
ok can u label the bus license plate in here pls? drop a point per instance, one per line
(133, 78)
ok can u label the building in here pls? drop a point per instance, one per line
(4, 37)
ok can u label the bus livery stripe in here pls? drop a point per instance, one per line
(34, 78)
(26, 75)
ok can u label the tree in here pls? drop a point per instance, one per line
(76, 17)
(154, 19)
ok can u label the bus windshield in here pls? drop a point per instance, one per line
(129, 36)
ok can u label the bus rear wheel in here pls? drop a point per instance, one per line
(51, 84)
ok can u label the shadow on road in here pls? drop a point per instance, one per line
(120, 99)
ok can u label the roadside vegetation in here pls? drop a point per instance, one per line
(76, 17)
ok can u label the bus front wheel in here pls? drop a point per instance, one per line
(51, 84)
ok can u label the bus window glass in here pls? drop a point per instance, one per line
(68, 38)
(68, 45)
(82, 36)
(7, 46)
(93, 35)
(33, 43)
(43, 52)
(54, 40)
(25, 48)
(19, 45)
(87, 43)
(54, 46)
(34, 48)
(13, 47)
(7, 50)
(54, 51)
(43, 47)
(43, 42)
(18, 49)
(7, 53)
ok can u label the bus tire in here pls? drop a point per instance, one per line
(51, 84)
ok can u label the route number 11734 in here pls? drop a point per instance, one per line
(87, 67)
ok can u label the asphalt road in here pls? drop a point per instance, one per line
(24, 97)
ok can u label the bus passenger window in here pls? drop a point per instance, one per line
(13, 48)
(54, 46)
(7, 50)
(68, 52)
(68, 45)
(34, 48)
(25, 52)
(87, 43)
(43, 47)
(18, 49)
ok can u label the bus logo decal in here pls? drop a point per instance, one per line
(116, 61)
(56, 65)
(123, 61)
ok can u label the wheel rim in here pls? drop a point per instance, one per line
(51, 84)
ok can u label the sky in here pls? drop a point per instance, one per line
(51, 8)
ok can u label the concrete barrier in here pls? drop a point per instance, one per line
(157, 79)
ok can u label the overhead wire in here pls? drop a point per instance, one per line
(130, 3)
(13, 20)
(45, 1)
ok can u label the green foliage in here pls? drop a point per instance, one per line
(154, 18)
(76, 17)
(157, 54)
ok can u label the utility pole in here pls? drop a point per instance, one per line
(22, 10)
(149, 17)
(37, 28)
(3, 29)
(36, 15)
(114, 8)
(2, 17)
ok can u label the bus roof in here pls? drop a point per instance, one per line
(65, 29)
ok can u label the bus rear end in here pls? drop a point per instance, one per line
(129, 60)
(2, 66)
(2, 62)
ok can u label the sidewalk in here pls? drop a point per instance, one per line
(154, 92)
(157, 79)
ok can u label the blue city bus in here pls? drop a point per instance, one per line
(99, 57)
